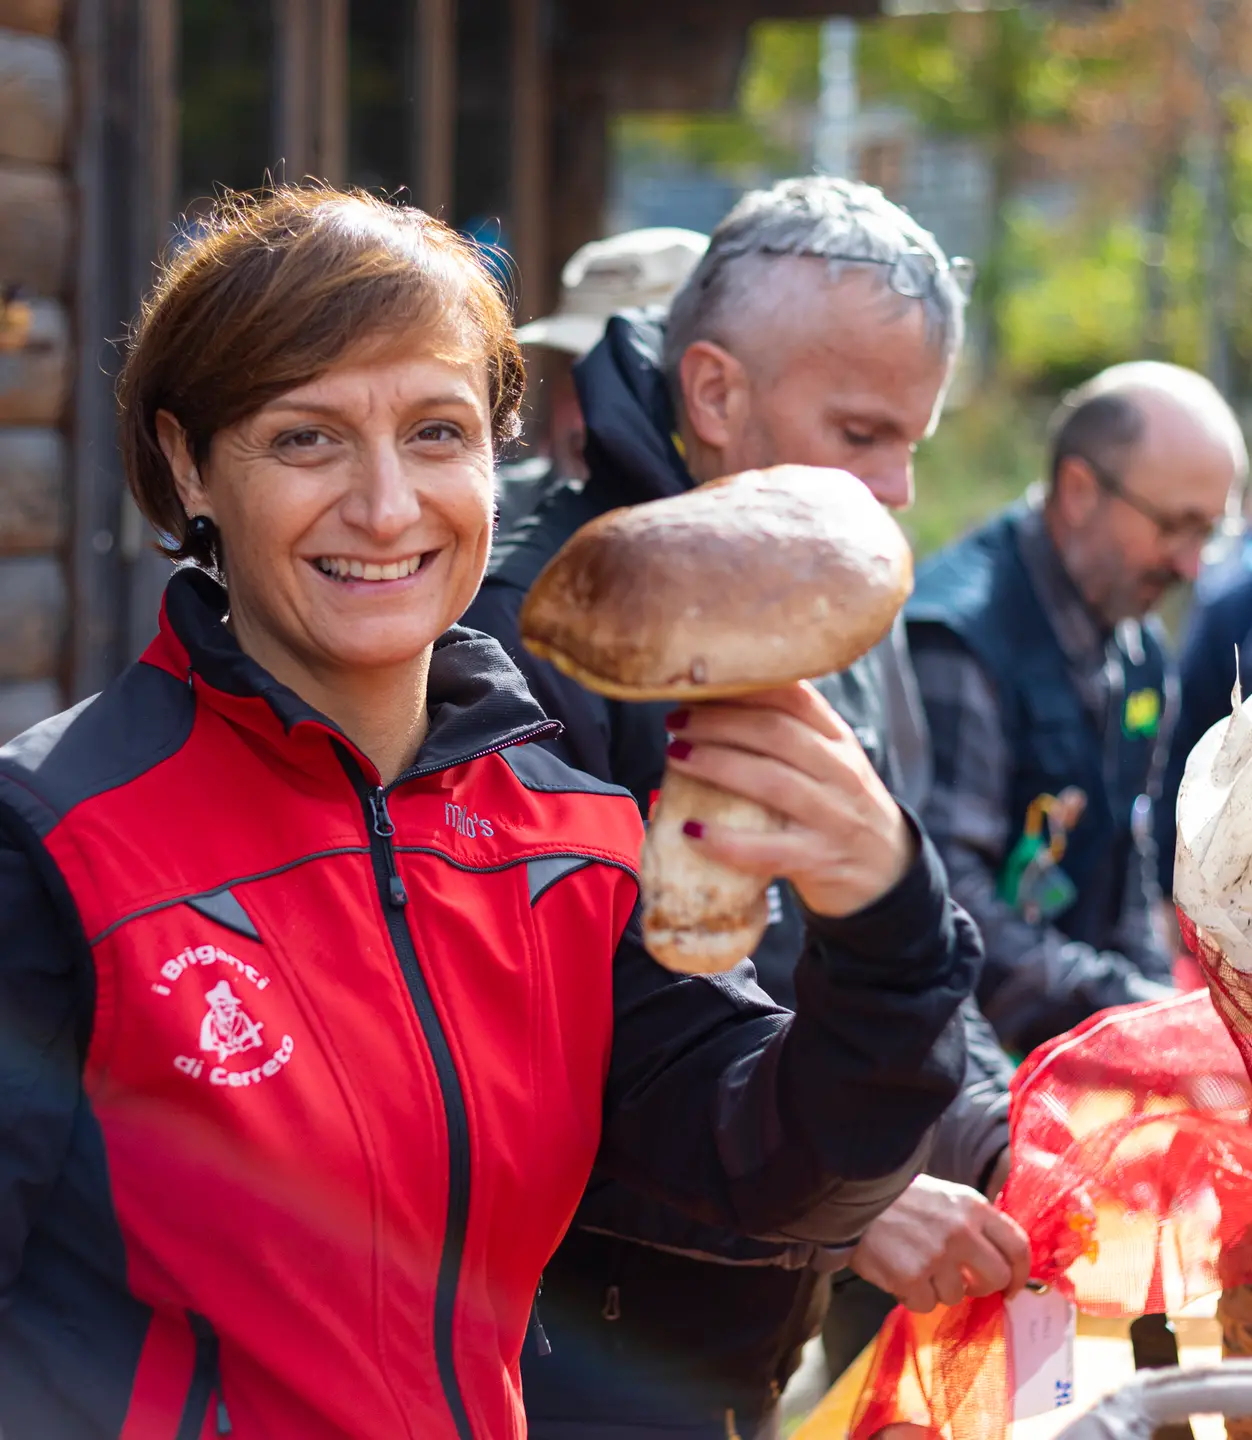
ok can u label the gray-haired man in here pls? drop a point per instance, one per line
(819, 328)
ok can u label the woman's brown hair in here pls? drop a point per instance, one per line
(271, 290)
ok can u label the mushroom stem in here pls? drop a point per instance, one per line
(700, 916)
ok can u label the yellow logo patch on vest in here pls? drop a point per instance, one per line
(1142, 716)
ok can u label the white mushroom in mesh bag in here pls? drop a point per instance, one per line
(743, 584)
(1213, 871)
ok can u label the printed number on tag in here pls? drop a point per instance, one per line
(1041, 1341)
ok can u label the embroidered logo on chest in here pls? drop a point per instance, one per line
(229, 1029)
(465, 822)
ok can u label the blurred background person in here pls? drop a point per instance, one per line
(1045, 687)
(821, 327)
(636, 270)
(1217, 650)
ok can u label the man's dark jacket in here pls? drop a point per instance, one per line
(643, 1335)
(979, 593)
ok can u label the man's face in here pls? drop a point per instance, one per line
(846, 376)
(1153, 515)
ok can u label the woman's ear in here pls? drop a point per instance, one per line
(714, 392)
(177, 451)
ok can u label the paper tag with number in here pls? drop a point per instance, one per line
(1041, 1328)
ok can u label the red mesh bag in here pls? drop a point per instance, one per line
(1131, 1161)
(1130, 1140)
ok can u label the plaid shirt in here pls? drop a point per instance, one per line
(1036, 983)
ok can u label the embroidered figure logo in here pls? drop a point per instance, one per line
(227, 1027)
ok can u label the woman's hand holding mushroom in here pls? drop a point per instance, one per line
(722, 598)
(844, 842)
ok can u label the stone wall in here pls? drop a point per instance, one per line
(36, 267)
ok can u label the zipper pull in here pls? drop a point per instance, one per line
(612, 1304)
(542, 1344)
(384, 829)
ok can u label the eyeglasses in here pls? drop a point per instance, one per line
(1175, 531)
(914, 273)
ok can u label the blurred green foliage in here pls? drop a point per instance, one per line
(1073, 300)
(973, 75)
(780, 77)
(781, 69)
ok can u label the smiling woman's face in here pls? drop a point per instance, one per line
(355, 511)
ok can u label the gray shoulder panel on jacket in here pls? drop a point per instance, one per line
(226, 910)
(543, 874)
(144, 717)
(538, 769)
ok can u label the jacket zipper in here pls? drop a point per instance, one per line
(206, 1383)
(542, 1344)
(394, 900)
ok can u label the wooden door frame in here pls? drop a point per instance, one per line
(311, 89)
(124, 172)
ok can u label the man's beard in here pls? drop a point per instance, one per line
(1111, 595)
(1133, 597)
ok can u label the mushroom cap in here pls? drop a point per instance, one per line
(748, 582)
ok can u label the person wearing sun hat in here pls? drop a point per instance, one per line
(625, 272)
(636, 270)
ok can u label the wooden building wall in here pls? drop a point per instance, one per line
(36, 269)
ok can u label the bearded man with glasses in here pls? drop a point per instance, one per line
(1046, 688)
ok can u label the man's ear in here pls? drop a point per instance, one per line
(715, 393)
(177, 451)
(1075, 492)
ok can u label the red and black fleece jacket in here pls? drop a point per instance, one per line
(302, 1076)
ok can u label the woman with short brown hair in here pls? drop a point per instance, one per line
(320, 982)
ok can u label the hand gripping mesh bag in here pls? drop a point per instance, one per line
(1132, 1150)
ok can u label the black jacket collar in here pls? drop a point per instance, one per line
(476, 697)
(630, 420)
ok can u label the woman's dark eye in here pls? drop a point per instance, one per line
(301, 439)
(860, 438)
(439, 432)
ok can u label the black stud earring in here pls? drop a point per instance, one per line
(200, 527)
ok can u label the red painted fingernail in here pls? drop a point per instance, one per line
(677, 719)
(678, 749)
(694, 829)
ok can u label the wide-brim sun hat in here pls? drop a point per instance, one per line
(625, 272)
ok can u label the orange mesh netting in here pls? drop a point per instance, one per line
(1131, 1160)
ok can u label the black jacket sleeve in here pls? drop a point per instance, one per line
(799, 1126)
(974, 1130)
(40, 1011)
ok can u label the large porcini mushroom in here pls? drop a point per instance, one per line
(739, 585)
